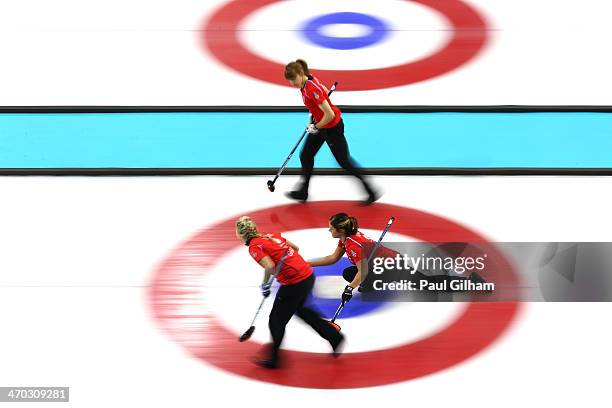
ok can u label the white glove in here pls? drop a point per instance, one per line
(312, 129)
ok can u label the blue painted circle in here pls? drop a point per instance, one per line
(312, 30)
(327, 307)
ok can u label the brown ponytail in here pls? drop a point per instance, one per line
(295, 69)
(344, 222)
(304, 66)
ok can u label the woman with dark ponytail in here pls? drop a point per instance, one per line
(325, 125)
(350, 241)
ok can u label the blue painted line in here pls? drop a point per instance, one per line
(252, 140)
(327, 307)
(378, 30)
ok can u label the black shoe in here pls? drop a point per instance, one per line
(337, 345)
(299, 195)
(365, 287)
(476, 278)
(373, 196)
(267, 362)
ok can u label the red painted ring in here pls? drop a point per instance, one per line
(175, 286)
(469, 36)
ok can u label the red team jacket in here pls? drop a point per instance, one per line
(313, 94)
(295, 269)
(354, 248)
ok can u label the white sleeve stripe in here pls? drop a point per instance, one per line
(354, 241)
(318, 87)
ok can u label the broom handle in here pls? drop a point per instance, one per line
(369, 259)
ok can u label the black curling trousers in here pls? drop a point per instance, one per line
(290, 300)
(334, 137)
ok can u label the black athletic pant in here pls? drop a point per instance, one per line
(290, 300)
(334, 137)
